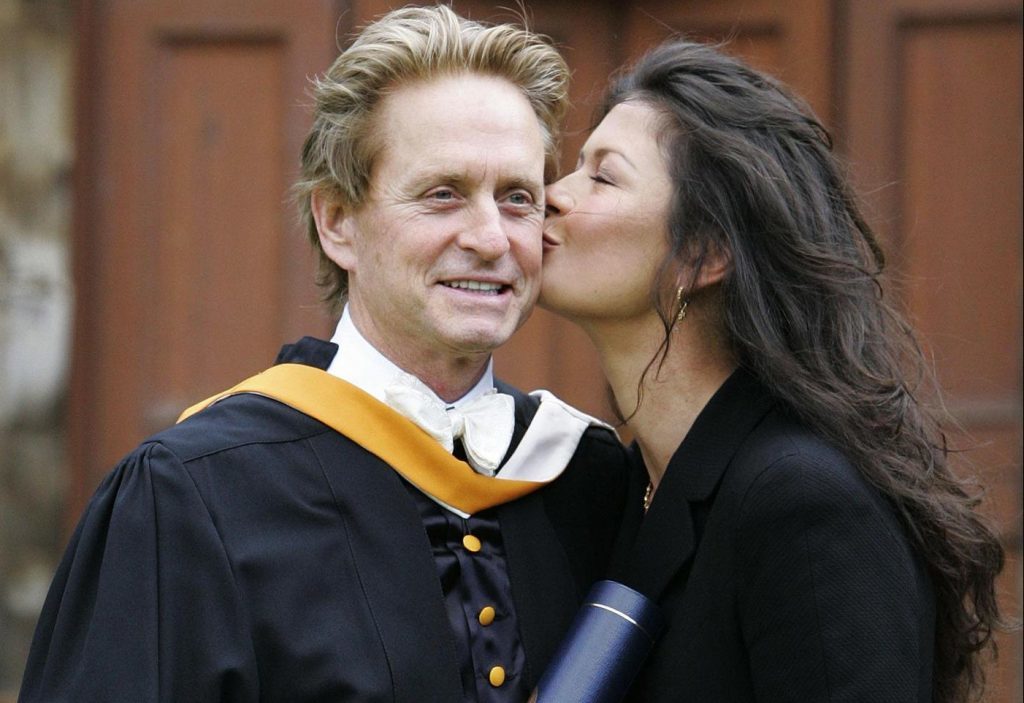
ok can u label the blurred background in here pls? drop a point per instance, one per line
(149, 256)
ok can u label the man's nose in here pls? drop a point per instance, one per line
(485, 234)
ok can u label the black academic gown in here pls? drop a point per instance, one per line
(251, 553)
(783, 574)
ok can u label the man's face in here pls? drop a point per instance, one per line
(443, 257)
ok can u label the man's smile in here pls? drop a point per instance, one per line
(486, 287)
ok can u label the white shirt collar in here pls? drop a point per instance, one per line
(362, 365)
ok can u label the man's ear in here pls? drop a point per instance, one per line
(337, 230)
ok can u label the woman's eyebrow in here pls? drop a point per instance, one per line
(603, 151)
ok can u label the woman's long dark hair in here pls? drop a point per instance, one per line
(802, 308)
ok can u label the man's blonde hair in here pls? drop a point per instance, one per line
(407, 45)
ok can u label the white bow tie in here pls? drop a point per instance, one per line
(484, 424)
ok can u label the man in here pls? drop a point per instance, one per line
(299, 539)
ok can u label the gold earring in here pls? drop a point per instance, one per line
(681, 304)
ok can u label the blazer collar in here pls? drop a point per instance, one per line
(696, 468)
(526, 408)
(309, 351)
(652, 549)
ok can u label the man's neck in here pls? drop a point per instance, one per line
(370, 364)
(449, 379)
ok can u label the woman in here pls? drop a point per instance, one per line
(796, 518)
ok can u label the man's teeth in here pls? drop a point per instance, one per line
(475, 285)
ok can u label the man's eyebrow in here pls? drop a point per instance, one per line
(432, 178)
(525, 182)
(460, 178)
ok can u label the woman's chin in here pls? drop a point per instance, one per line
(554, 300)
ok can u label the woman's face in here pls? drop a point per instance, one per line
(605, 232)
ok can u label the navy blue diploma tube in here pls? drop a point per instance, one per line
(602, 653)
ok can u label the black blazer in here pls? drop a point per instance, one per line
(784, 575)
(251, 553)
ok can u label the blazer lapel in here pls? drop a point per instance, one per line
(664, 541)
(393, 557)
(543, 589)
(544, 592)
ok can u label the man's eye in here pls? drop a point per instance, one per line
(520, 199)
(442, 194)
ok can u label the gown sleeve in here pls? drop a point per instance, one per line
(833, 606)
(143, 607)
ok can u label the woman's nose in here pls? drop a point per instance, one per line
(556, 199)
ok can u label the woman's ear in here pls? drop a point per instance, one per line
(716, 264)
(337, 229)
(709, 268)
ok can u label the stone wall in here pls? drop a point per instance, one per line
(36, 151)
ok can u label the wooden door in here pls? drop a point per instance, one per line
(790, 40)
(933, 129)
(188, 267)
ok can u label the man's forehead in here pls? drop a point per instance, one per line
(456, 158)
(441, 167)
(458, 130)
(470, 102)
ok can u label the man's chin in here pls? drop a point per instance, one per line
(482, 339)
(476, 344)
